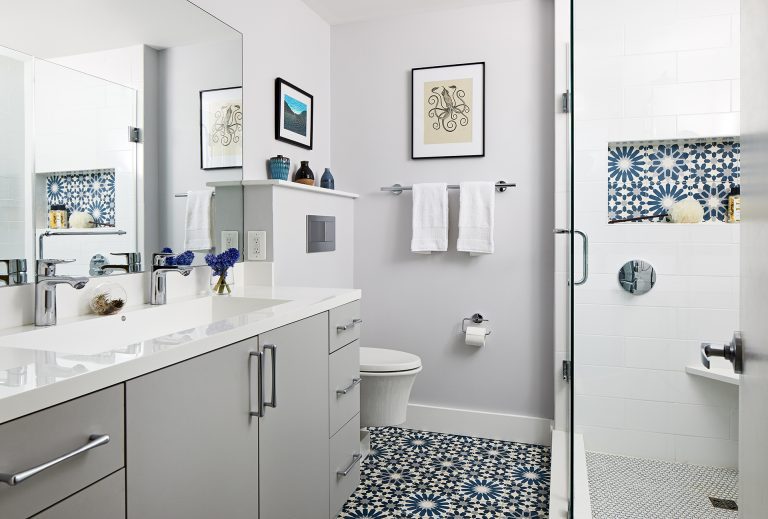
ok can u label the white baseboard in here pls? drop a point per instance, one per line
(497, 426)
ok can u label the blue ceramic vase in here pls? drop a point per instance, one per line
(326, 180)
(279, 167)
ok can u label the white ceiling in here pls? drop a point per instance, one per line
(345, 11)
(55, 28)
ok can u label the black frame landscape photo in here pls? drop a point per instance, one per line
(294, 114)
(221, 128)
(448, 111)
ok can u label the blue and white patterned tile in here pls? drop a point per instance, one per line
(416, 474)
(91, 191)
(646, 179)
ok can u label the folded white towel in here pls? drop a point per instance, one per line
(197, 234)
(477, 202)
(430, 218)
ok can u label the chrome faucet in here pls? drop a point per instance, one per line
(158, 290)
(45, 290)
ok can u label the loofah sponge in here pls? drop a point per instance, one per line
(686, 211)
(81, 221)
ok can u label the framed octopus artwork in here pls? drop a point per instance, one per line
(448, 111)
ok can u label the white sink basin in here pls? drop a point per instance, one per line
(96, 335)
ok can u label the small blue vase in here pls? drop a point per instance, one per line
(279, 167)
(326, 180)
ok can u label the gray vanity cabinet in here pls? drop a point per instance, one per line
(294, 434)
(192, 448)
(104, 499)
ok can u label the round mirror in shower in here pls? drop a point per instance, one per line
(637, 277)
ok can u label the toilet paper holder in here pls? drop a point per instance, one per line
(476, 319)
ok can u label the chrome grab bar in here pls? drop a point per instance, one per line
(355, 381)
(348, 326)
(344, 473)
(95, 440)
(260, 398)
(273, 349)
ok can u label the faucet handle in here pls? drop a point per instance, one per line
(47, 267)
(158, 256)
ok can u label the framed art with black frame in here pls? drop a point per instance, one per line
(221, 128)
(448, 111)
(294, 114)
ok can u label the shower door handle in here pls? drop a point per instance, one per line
(585, 253)
(584, 260)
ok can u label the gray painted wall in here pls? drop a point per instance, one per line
(182, 73)
(414, 302)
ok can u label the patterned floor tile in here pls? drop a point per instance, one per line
(416, 474)
(637, 488)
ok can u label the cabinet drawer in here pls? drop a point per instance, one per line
(39, 438)
(345, 458)
(102, 500)
(344, 385)
(344, 325)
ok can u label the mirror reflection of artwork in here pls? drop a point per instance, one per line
(221, 128)
(294, 114)
(448, 111)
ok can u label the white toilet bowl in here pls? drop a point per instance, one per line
(387, 379)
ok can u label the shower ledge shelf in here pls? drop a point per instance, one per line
(721, 375)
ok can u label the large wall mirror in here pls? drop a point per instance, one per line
(101, 107)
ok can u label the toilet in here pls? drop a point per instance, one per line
(387, 379)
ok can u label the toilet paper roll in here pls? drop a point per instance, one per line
(475, 336)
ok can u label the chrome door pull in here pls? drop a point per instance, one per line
(344, 473)
(260, 399)
(584, 253)
(585, 259)
(273, 401)
(348, 326)
(355, 381)
(734, 352)
(95, 440)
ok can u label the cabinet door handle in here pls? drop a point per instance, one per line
(351, 324)
(344, 473)
(355, 381)
(260, 369)
(273, 349)
(95, 440)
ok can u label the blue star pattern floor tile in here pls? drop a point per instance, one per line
(646, 179)
(416, 474)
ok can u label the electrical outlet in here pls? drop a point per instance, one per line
(229, 240)
(257, 245)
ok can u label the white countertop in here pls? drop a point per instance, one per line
(33, 378)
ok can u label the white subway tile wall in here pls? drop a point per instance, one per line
(641, 76)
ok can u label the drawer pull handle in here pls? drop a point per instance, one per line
(348, 326)
(273, 349)
(344, 473)
(259, 412)
(95, 440)
(355, 381)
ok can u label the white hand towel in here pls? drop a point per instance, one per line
(477, 201)
(430, 218)
(197, 234)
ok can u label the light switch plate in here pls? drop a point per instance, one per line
(257, 245)
(229, 240)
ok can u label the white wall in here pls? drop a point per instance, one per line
(640, 75)
(415, 302)
(15, 128)
(182, 73)
(281, 38)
